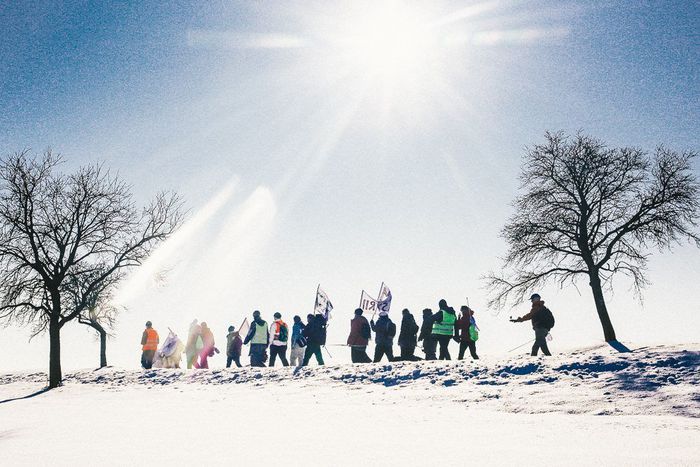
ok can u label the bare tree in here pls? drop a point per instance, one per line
(60, 229)
(99, 313)
(590, 211)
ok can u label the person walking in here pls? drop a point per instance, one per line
(358, 339)
(149, 345)
(463, 333)
(542, 322)
(384, 332)
(426, 335)
(258, 337)
(315, 334)
(208, 347)
(234, 346)
(194, 344)
(444, 328)
(408, 336)
(296, 355)
(279, 335)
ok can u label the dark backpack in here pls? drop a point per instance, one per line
(284, 333)
(545, 318)
(366, 332)
(322, 333)
(391, 329)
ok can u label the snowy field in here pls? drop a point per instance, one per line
(592, 407)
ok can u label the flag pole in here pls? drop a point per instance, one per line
(316, 298)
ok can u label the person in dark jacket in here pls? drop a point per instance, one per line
(233, 347)
(426, 335)
(462, 333)
(315, 334)
(385, 330)
(537, 316)
(296, 355)
(258, 337)
(359, 338)
(444, 328)
(408, 336)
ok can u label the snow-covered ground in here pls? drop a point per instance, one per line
(586, 408)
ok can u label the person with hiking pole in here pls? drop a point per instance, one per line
(542, 322)
(315, 334)
(466, 333)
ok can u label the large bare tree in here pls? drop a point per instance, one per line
(59, 229)
(587, 210)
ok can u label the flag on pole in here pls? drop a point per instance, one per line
(367, 303)
(323, 305)
(384, 298)
(244, 328)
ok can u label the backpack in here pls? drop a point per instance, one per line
(546, 318)
(366, 332)
(283, 333)
(473, 333)
(322, 335)
(391, 329)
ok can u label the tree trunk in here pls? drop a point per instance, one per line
(55, 376)
(601, 308)
(103, 348)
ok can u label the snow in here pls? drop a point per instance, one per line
(585, 408)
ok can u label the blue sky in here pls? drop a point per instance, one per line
(326, 173)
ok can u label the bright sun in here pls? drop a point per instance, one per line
(388, 42)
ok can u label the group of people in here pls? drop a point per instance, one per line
(305, 340)
(437, 329)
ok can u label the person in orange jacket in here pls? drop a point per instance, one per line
(149, 345)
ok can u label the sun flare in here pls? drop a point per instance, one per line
(388, 41)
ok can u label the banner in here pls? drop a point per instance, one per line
(384, 298)
(323, 305)
(244, 328)
(367, 303)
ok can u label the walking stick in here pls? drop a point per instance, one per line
(523, 345)
(329, 354)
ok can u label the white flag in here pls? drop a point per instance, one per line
(384, 298)
(323, 304)
(367, 303)
(244, 328)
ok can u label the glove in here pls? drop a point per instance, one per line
(513, 320)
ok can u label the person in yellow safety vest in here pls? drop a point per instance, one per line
(258, 337)
(444, 328)
(149, 345)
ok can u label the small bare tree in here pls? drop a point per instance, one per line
(590, 211)
(99, 313)
(60, 229)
